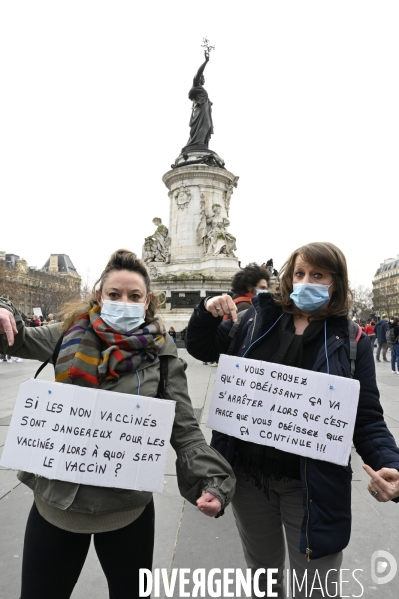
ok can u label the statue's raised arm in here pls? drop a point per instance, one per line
(199, 78)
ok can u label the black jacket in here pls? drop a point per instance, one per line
(326, 487)
(380, 329)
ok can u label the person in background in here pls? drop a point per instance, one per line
(395, 346)
(35, 321)
(306, 326)
(369, 330)
(380, 329)
(113, 341)
(248, 282)
(172, 333)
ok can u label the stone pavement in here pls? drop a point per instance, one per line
(184, 537)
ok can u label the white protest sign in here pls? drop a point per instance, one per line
(300, 411)
(89, 436)
(37, 312)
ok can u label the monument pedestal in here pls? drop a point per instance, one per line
(196, 257)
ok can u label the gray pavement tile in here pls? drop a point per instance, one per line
(170, 468)
(3, 434)
(206, 432)
(168, 513)
(14, 512)
(5, 421)
(391, 422)
(198, 413)
(388, 381)
(9, 391)
(208, 543)
(391, 409)
(92, 583)
(8, 482)
(389, 384)
(6, 407)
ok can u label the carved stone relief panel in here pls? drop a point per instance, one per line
(182, 196)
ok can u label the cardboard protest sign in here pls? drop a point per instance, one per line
(300, 411)
(89, 436)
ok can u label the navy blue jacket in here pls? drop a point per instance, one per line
(326, 525)
(380, 329)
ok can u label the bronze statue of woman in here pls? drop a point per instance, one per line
(201, 126)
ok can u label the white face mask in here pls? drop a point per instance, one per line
(123, 317)
(258, 291)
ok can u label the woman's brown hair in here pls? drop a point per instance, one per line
(119, 260)
(328, 257)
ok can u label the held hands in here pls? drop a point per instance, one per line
(221, 305)
(384, 484)
(208, 504)
(7, 325)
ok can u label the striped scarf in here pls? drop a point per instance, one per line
(92, 351)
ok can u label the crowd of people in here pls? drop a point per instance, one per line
(115, 341)
(384, 336)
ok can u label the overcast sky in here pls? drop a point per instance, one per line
(94, 109)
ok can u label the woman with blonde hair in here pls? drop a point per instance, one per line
(113, 342)
(306, 326)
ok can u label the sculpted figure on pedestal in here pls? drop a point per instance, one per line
(157, 246)
(219, 240)
(149, 249)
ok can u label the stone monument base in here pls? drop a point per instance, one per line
(183, 294)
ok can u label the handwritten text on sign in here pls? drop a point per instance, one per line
(303, 412)
(89, 436)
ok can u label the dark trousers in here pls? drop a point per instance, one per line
(53, 558)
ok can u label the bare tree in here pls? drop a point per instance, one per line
(86, 286)
(12, 286)
(381, 301)
(362, 305)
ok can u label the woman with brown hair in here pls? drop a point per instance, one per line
(306, 326)
(114, 342)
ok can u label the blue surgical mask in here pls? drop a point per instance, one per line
(123, 317)
(309, 297)
(258, 291)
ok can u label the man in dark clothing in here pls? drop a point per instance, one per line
(247, 283)
(380, 329)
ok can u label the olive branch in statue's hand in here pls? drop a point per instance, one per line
(205, 44)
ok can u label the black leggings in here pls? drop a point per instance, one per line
(53, 558)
